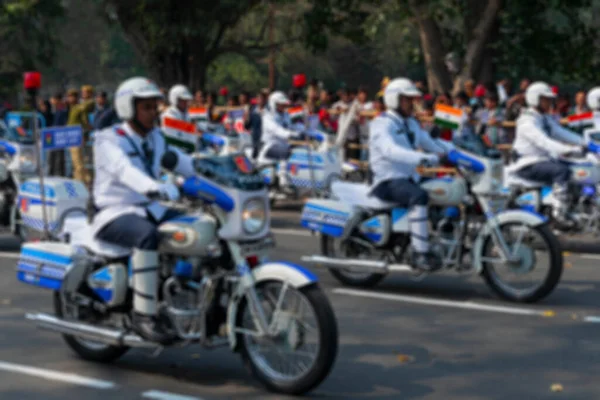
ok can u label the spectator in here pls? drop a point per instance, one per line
(327, 121)
(378, 105)
(57, 103)
(562, 107)
(198, 99)
(490, 119)
(101, 105)
(580, 103)
(56, 158)
(469, 88)
(79, 115)
(45, 108)
(254, 123)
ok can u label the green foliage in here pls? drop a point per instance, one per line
(26, 39)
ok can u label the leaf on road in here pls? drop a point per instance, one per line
(5, 302)
(548, 313)
(556, 387)
(195, 356)
(405, 358)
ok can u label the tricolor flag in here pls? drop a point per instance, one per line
(198, 114)
(578, 121)
(180, 134)
(448, 117)
(235, 120)
(296, 113)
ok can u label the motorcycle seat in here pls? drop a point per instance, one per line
(80, 233)
(359, 194)
(511, 179)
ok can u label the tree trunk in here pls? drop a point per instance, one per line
(438, 76)
(476, 46)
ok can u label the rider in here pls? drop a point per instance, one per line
(276, 125)
(539, 139)
(593, 102)
(179, 101)
(393, 158)
(127, 163)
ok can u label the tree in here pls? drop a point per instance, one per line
(26, 39)
(178, 41)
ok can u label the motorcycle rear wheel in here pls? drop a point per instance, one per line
(88, 350)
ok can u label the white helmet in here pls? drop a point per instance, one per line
(537, 90)
(179, 92)
(593, 99)
(276, 98)
(131, 89)
(396, 88)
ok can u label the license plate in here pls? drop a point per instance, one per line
(260, 246)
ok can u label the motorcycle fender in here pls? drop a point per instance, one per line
(521, 216)
(295, 275)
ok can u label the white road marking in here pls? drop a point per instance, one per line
(469, 305)
(292, 232)
(10, 254)
(158, 395)
(592, 318)
(590, 256)
(57, 376)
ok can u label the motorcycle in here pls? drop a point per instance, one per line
(17, 165)
(218, 140)
(584, 202)
(216, 286)
(363, 238)
(313, 165)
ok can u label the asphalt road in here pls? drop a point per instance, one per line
(446, 337)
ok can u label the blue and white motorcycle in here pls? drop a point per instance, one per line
(217, 287)
(18, 163)
(363, 238)
(584, 199)
(313, 165)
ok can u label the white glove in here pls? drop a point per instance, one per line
(169, 190)
(431, 159)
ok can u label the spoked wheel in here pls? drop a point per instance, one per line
(536, 268)
(299, 352)
(331, 247)
(86, 349)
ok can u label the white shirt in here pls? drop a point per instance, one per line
(391, 154)
(276, 128)
(541, 138)
(123, 175)
(175, 113)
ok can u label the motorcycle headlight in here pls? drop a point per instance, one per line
(254, 216)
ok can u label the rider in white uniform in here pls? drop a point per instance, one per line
(179, 101)
(593, 102)
(394, 139)
(127, 164)
(276, 131)
(539, 140)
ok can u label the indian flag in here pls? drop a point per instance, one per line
(198, 114)
(180, 134)
(448, 117)
(580, 120)
(295, 113)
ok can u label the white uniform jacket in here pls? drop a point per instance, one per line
(391, 154)
(174, 113)
(541, 138)
(123, 175)
(276, 128)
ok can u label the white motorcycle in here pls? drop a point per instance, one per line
(584, 201)
(363, 238)
(216, 288)
(17, 164)
(314, 164)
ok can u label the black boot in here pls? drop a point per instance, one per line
(151, 329)
(427, 262)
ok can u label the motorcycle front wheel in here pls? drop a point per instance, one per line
(536, 270)
(299, 355)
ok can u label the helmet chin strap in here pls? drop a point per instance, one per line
(141, 128)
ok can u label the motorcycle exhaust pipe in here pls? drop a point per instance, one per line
(367, 265)
(90, 332)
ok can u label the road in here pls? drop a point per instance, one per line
(446, 337)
